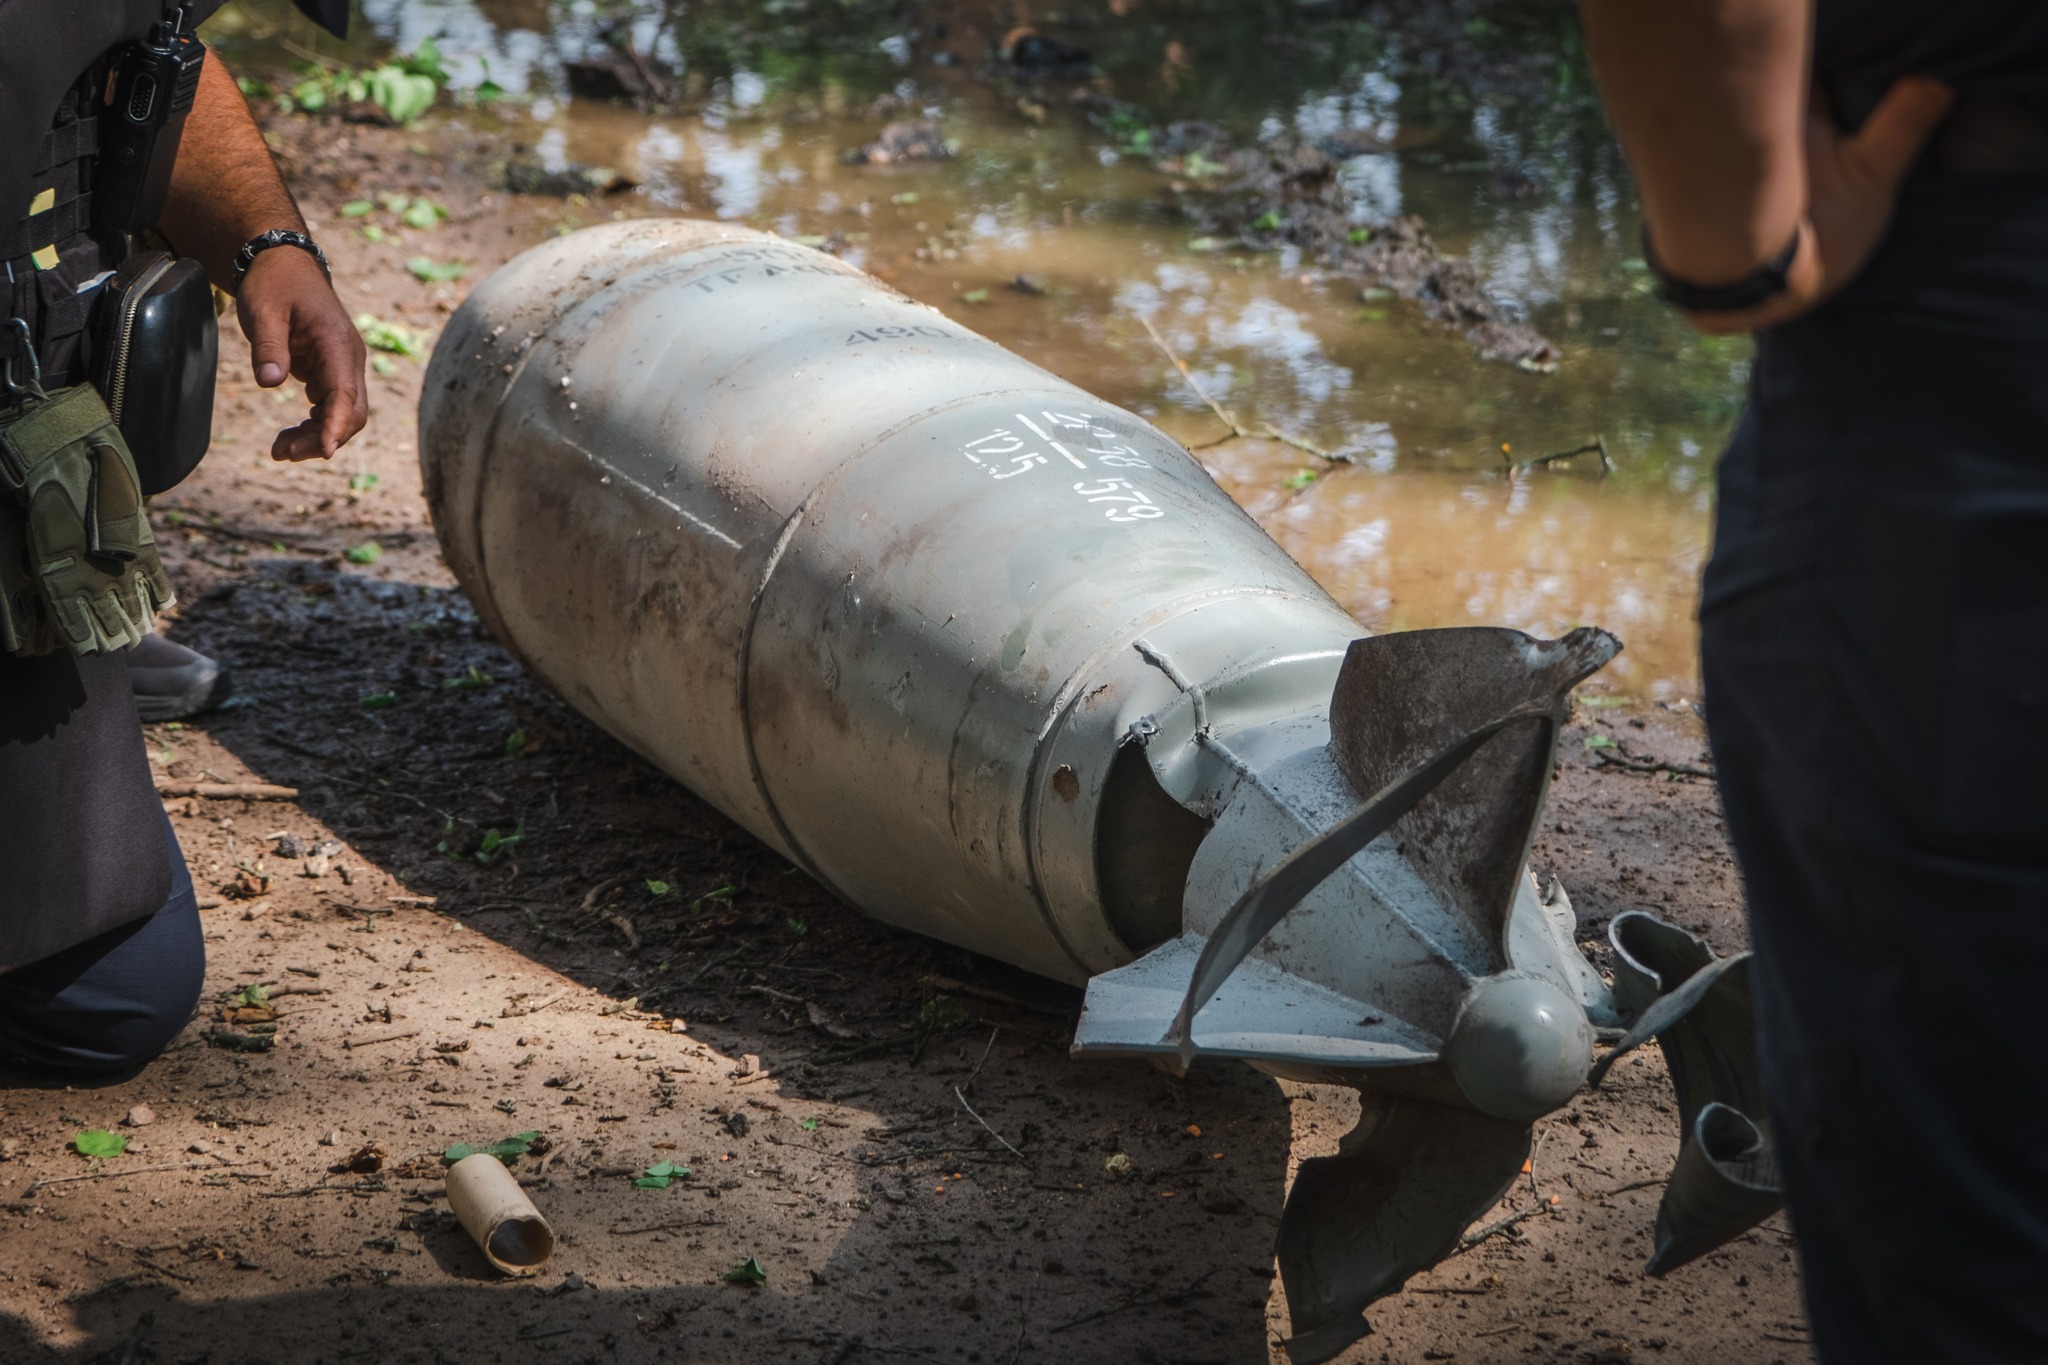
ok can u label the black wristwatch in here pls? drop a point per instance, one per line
(262, 242)
(1754, 290)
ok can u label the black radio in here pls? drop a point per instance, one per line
(151, 91)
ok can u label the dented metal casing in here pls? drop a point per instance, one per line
(864, 580)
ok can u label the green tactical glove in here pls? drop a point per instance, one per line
(88, 547)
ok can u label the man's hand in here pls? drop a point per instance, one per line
(1710, 100)
(225, 190)
(1852, 182)
(298, 329)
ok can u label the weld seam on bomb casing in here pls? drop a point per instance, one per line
(1127, 638)
(792, 525)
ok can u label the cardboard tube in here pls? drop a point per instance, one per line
(498, 1216)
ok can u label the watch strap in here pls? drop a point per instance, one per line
(1753, 290)
(264, 241)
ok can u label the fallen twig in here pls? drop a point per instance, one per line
(107, 1172)
(1223, 414)
(968, 1084)
(1631, 1185)
(228, 791)
(985, 1123)
(1597, 445)
(667, 1227)
(607, 914)
(353, 1043)
(1499, 1226)
(373, 1185)
(1627, 763)
(1167, 1299)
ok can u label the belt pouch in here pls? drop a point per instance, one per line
(78, 565)
(155, 344)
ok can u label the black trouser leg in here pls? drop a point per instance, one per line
(113, 1002)
(1875, 644)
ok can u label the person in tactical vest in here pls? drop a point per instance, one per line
(106, 381)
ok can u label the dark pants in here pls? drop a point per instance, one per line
(1874, 631)
(113, 1002)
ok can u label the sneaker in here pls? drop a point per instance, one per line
(172, 682)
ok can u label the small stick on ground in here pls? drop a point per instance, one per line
(1632, 1185)
(607, 914)
(968, 1084)
(1144, 1302)
(228, 791)
(1495, 1229)
(666, 1227)
(108, 1172)
(1627, 763)
(353, 1043)
(984, 1123)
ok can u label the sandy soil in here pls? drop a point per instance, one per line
(490, 952)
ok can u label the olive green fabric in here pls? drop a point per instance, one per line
(78, 566)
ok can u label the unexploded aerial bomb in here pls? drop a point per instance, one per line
(998, 662)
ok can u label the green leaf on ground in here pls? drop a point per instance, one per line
(975, 296)
(474, 680)
(1600, 742)
(515, 744)
(747, 1272)
(427, 270)
(505, 1149)
(1296, 482)
(391, 337)
(101, 1144)
(422, 213)
(1269, 221)
(656, 887)
(809, 1125)
(377, 701)
(369, 552)
(251, 995)
(659, 1175)
(357, 208)
(723, 894)
(495, 843)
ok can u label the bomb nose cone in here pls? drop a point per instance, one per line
(1520, 1047)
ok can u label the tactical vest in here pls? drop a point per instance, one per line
(53, 261)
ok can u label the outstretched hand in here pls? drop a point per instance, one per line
(298, 329)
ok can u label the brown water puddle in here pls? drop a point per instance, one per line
(1423, 524)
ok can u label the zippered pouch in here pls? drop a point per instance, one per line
(155, 344)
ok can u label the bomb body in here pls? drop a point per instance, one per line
(999, 663)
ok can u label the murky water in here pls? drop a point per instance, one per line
(1490, 135)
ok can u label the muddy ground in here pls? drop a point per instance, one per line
(528, 928)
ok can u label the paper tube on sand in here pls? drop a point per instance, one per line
(498, 1216)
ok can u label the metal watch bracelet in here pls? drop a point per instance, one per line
(264, 241)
